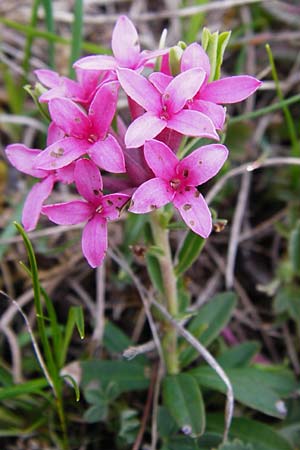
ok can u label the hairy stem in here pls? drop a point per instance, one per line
(161, 238)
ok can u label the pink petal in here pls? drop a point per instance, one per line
(88, 180)
(94, 240)
(216, 113)
(203, 163)
(192, 123)
(23, 158)
(160, 159)
(112, 205)
(103, 108)
(125, 43)
(61, 153)
(194, 211)
(183, 88)
(160, 80)
(69, 213)
(140, 89)
(143, 128)
(54, 134)
(96, 62)
(151, 195)
(48, 78)
(66, 174)
(194, 56)
(69, 117)
(34, 202)
(230, 90)
(108, 155)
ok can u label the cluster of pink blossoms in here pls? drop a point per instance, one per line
(86, 136)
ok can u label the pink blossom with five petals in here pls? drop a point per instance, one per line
(175, 181)
(97, 209)
(86, 133)
(165, 108)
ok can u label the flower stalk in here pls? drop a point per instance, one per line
(161, 239)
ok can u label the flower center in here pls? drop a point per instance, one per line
(93, 138)
(175, 183)
(99, 209)
(164, 115)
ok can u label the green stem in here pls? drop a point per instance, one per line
(161, 238)
(62, 419)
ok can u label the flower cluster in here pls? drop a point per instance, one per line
(87, 137)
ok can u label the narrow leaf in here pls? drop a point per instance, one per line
(183, 398)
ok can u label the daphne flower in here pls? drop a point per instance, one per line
(175, 181)
(97, 209)
(126, 50)
(165, 107)
(86, 133)
(22, 158)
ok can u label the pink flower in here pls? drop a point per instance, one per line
(164, 106)
(215, 93)
(175, 181)
(81, 91)
(126, 50)
(22, 158)
(97, 209)
(86, 133)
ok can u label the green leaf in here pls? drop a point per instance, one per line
(240, 355)
(183, 398)
(189, 252)
(223, 40)
(127, 375)
(30, 387)
(75, 318)
(235, 445)
(96, 413)
(261, 436)
(154, 272)
(77, 31)
(294, 249)
(287, 300)
(215, 44)
(208, 323)
(252, 387)
(129, 426)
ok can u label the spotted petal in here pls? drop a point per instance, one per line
(61, 153)
(88, 180)
(151, 195)
(112, 205)
(69, 117)
(203, 163)
(194, 211)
